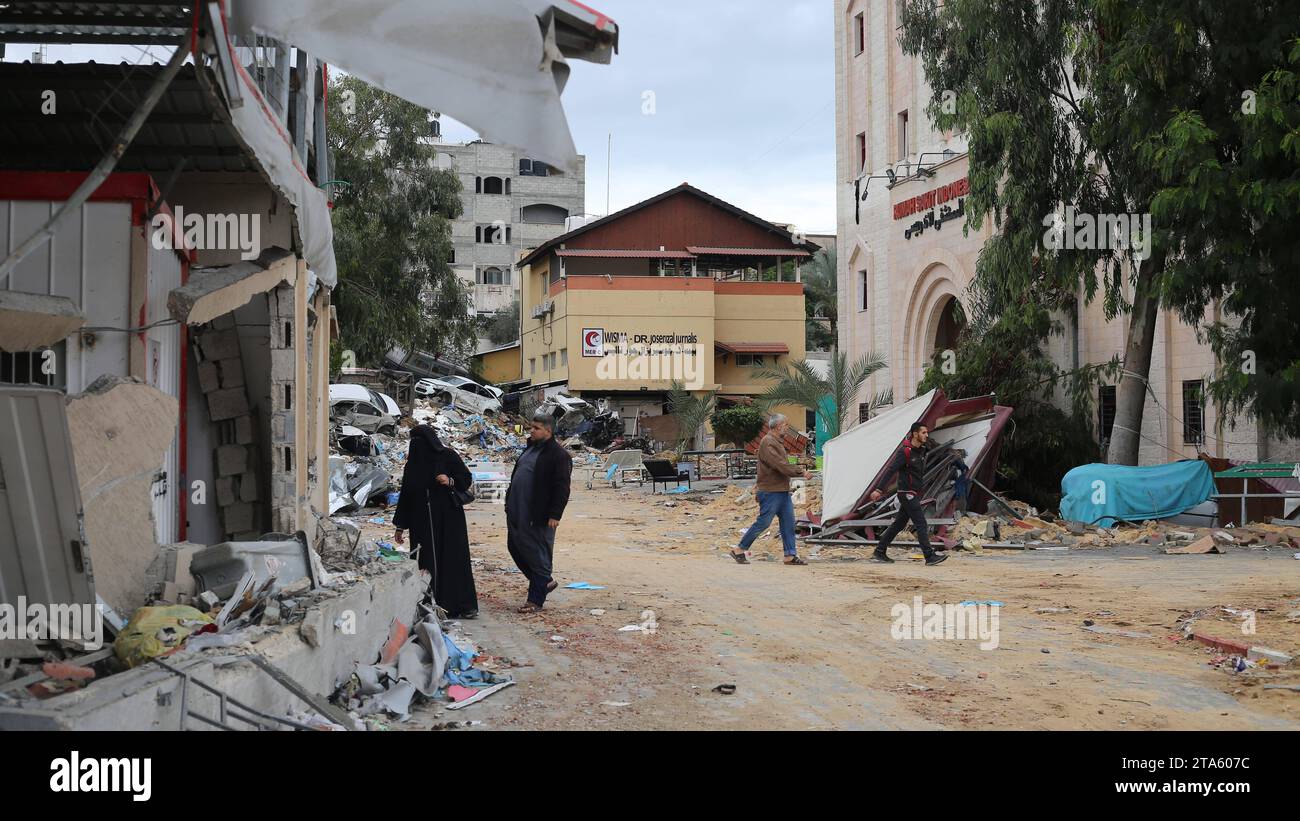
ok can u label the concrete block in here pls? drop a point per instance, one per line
(219, 344)
(227, 403)
(237, 517)
(282, 427)
(283, 488)
(170, 592)
(209, 379)
(232, 459)
(244, 430)
(232, 373)
(226, 491)
(248, 487)
(247, 536)
(284, 365)
(224, 322)
(208, 600)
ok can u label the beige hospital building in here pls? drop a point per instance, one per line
(905, 261)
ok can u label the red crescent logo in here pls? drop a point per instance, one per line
(592, 336)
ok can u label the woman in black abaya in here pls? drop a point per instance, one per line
(429, 509)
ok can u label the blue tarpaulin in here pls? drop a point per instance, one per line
(1105, 493)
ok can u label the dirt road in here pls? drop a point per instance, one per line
(811, 647)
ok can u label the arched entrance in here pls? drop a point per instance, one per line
(949, 325)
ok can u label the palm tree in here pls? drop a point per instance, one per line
(800, 384)
(691, 412)
(820, 300)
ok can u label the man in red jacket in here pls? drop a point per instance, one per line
(909, 464)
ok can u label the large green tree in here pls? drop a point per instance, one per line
(1087, 104)
(820, 302)
(392, 216)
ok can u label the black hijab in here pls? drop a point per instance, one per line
(422, 460)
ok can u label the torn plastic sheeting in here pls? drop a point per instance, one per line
(339, 495)
(493, 64)
(367, 483)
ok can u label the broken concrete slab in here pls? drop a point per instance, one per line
(121, 429)
(244, 430)
(226, 491)
(1205, 544)
(214, 292)
(32, 321)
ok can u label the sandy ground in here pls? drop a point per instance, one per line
(811, 647)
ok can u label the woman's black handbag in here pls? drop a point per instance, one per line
(464, 497)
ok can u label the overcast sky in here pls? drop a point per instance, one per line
(743, 105)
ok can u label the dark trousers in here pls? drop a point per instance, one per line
(909, 509)
(532, 548)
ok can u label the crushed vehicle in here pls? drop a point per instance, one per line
(361, 407)
(461, 392)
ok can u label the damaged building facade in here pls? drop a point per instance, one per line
(166, 274)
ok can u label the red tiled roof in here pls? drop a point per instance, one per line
(621, 254)
(749, 252)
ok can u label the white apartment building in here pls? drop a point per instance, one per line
(512, 203)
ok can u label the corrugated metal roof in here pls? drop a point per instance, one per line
(748, 252)
(93, 101)
(630, 253)
(116, 22)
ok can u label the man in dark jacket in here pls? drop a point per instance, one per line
(908, 463)
(535, 501)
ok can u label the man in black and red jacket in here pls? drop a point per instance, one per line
(908, 463)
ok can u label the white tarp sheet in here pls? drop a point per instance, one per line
(852, 459)
(487, 63)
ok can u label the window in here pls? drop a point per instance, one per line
(493, 185)
(859, 34)
(1193, 412)
(493, 276)
(749, 360)
(902, 135)
(496, 234)
(564, 357)
(543, 213)
(43, 367)
(862, 151)
(1105, 412)
(532, 366)
(452, 260)
(478, 185)
(862, 290)
(533, 168)
(864, 411)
